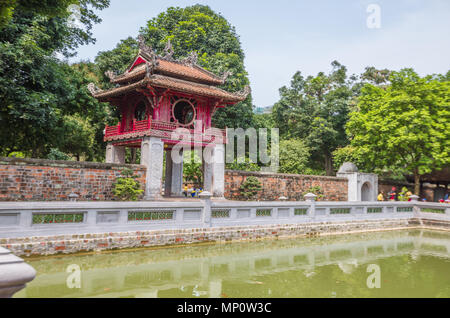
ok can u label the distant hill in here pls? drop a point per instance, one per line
(263, 110)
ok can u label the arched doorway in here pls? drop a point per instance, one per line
(365, 192)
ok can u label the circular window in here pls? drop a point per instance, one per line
(183, 112)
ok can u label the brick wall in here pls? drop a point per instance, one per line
(291, 186)
(42, 180)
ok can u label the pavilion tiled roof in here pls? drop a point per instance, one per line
(173, 69)
(174, 84)
(149, 69)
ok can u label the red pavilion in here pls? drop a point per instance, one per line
(156, 96)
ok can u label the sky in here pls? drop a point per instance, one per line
(280, 37)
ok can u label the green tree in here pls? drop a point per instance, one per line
(116, 60)
(294, 156)
(192, 168)
(56, 154)
(315, 110)
(348, 154)
(35, 87)
(95, 115)
(375, 76)
(247, 165)
(127, 187)
(405, 125)
(77, 136)
(48, 8)
(250, 187)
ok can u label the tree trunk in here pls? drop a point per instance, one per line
(416, 182)
(328, 165)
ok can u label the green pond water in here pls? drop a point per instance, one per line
(411, 263)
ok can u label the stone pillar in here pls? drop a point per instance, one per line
(416, 209)
(109, 153)
(207, 175)
(218, 173)
(174, 173)
(177, 179)
(177, 173)
(311, 199)
(168, 174)
(205, 196)
(115, 154)
(152, 154)
(119, 154)
(14, 273)
(214, 172)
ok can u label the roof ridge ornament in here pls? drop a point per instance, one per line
(190, 60)
(225, 75)
(93, 89)
(168, 51)
(143, 47)
(150, 67)
(110, 74)
(244, 93)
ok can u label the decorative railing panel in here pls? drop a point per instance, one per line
(156, 215)
(209, 134)
(57, 218)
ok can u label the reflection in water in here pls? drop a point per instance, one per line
(413, 264)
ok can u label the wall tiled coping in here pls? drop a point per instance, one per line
(66, 164)
(283, 175)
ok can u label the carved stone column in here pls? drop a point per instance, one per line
(177, 173)
(218, 174)
(115, 154)
(119, 154)
(152, 151)
(174, 173)
(168, 174)
(207, 175)
(109, 153)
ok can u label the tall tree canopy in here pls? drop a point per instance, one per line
(48, 8)
(39, 93)
(193, 29)
(315, 110)
(405, 125)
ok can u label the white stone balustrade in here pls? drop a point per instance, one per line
(26, 219)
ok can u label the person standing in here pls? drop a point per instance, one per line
(380, 196)
(393, 194)
(408, 195)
